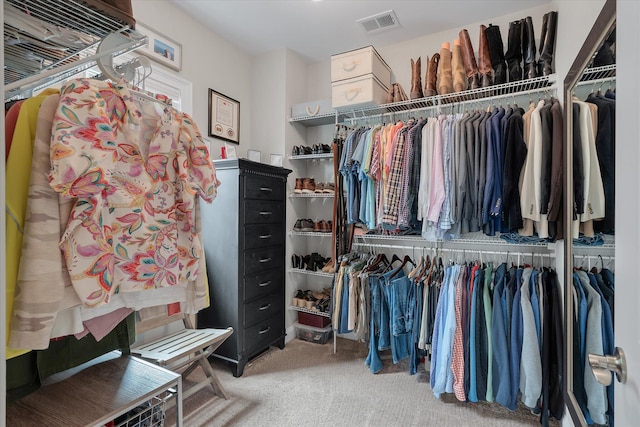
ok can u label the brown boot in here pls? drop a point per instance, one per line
(399, 94)
(484, 59)
(416, 79)
(389, 98)
(469, 59)
(445, 74)
(431, 76)
(459, 76)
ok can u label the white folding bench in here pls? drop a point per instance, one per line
(187, 347)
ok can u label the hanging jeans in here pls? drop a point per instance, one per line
(396, 292)
(376, 329)
(415, 309)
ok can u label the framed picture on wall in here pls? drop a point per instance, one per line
(224, 117)
(160, 48)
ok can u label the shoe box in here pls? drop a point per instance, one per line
(314, 320)
(359, 78)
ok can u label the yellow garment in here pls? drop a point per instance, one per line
(17, 177)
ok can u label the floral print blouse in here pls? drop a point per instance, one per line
(135, 168)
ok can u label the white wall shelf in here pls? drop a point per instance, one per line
(306, 310)
(310, 272)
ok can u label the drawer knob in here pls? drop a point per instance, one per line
(265, 307)
(263, 260)
(264, 331)
(265, 236)
(266, 213)
(263, 284)
(266, 189)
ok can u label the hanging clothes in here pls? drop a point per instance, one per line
(447, 176)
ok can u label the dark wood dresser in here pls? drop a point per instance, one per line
(244, 241)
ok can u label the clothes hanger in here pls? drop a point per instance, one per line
(405, 260)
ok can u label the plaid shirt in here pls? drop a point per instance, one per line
(393, 187)
(407, 166)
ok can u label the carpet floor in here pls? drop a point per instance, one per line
(306, 384)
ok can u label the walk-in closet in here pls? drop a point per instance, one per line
(320, 212)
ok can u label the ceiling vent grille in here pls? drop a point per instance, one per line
(380, 22)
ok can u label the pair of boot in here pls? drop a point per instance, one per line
(522, 48)
(458, 69)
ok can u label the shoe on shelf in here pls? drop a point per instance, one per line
(329, 188)
(299, 299)
(317, 227)
(322, 226)
(299, 185)
(328, 267)
(296, 261)
(304, 224)
(308, 185)
(305, 150)
(326, 149)
(295, 151)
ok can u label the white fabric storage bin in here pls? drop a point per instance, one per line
(359, 92)
(360, 62)
(312, 109)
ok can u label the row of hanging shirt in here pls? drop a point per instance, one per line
(594, 164)
(445, 176)
(491, 334)
(593, 323)
(102, 216)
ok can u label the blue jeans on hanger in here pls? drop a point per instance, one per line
(396, 297)
(373, 358)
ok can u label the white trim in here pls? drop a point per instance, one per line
(167, 82)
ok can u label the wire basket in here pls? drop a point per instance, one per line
(148, 414)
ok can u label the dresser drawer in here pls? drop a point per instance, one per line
(263, 212)
(263, 188)
(263, 260)
(262, 284)
(263, 235)
(263, 332)
(263, 308)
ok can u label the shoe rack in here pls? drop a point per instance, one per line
(311, 199)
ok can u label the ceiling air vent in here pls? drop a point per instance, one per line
(379, 22)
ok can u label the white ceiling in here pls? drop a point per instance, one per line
(318, 29)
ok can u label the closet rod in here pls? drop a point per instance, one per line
(410, 248)
(443, 107)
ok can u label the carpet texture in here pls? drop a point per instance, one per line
(307, 385)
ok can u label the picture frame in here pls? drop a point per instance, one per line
(230, 151)
(160, 48)
(276, 160)
(224, 117)
(254, 155)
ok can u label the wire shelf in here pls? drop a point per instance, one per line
(311, 195)
(471, 238)
(312, 156)
(306, 310)
(310, 273)
(310, 233)
(320, 119)
(528, 86)
(35, 58)
(598, 73)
